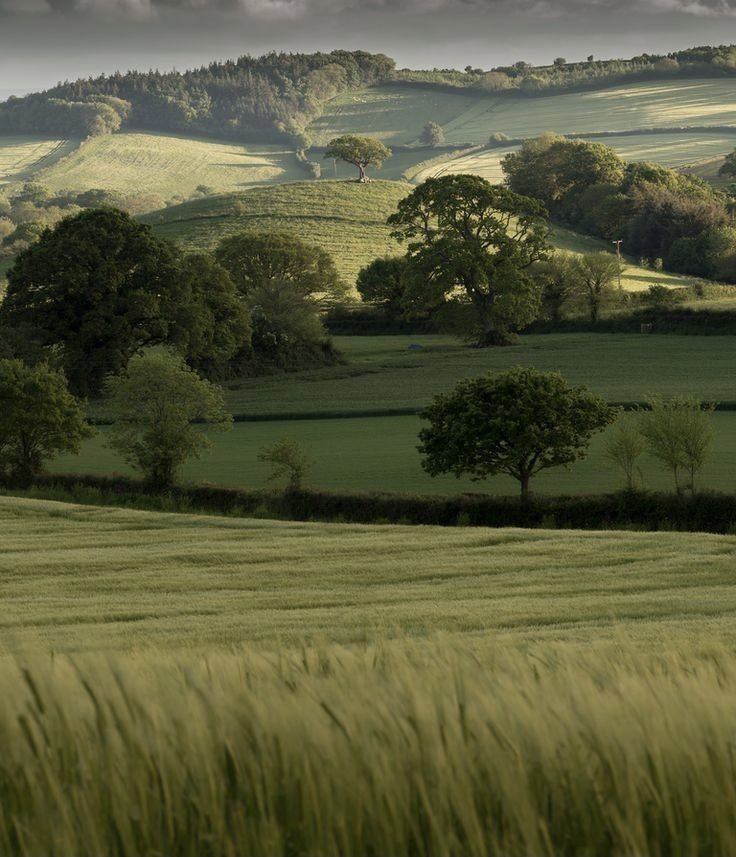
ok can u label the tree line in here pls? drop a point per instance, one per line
(272, 97)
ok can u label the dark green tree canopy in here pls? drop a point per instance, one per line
(361, 151)
(100, 286)
(256, 259)
(556, 171)
(384, 282)
(516, 422)
(481, 239)
(39, 418)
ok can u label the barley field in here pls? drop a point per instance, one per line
(190, 685)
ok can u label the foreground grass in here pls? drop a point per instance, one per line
(76, 579)
(397, 749)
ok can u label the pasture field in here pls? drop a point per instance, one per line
(397, 113)
(21, 156)
(383, 373)
(379, 454)
(343, 217)
(167, 166)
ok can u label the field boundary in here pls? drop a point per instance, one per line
(649, 511)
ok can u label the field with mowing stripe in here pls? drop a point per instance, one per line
(21, 157)
(168, 166)
(345, 218)
(397, 114)
(379, 454)
(364, 453)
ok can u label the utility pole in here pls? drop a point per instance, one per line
(618, 242)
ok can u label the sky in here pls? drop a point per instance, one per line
(45, 41)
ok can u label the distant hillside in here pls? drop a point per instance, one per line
(345, 218)
(274, 97)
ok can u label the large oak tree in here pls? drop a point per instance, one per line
(469, 238)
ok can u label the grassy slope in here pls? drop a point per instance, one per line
(344, 217)
(21, 156)
(81, 578)
(167, 165)
(397, 114)
(380, 453)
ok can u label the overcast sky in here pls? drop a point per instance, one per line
(43, 41)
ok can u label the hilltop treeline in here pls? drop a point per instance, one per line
(274, 97)
(269, 97)
(561, 76)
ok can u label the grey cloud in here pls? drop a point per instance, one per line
(289, 9)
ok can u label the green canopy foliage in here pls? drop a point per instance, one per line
(153, 404)
(360, 151)
(39, 418)
(478, 241)
(516, 422)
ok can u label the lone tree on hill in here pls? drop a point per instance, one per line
(361, 151)
(517, 422)
(432, 134)
(39, 418)
(153, 404)
(482, 239)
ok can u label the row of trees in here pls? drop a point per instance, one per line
(154, 403)
(660, 215)
(270, 97)
(523, 421)
(100, 286)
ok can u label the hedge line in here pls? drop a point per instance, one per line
(703, 512)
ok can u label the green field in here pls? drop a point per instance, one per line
(168, 166)
(379, 453)
(397, 114)
(345, 218)
(22, 157)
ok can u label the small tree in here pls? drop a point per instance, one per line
(678, 432)
(361, 151)
(593, 276)
(625, 446)
(39, 418)
(153, 404)
(289, 460)
(432, 134)
(384, 282)
(557, 278)
(517, 422)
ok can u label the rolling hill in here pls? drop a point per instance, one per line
(343, 217)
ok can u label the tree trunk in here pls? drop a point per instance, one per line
(361, 178)
(524, 479)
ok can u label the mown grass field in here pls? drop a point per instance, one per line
(377, 453)
(168, 166)
(343, 217)
(397, 114)
(22, 156)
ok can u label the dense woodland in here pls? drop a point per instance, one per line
(274, 97)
